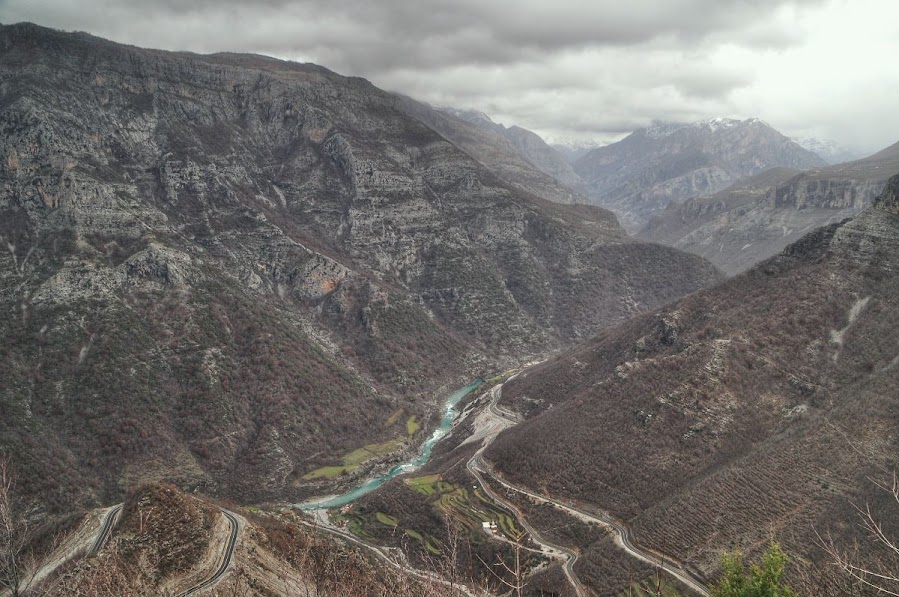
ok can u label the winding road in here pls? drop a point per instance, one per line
(109, 521)
(227, 557)
(476, 468)
(623, 536)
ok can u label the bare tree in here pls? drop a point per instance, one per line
(878, 572)
(14, 536)
(519, 579)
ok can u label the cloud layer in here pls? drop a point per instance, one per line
(577, 69)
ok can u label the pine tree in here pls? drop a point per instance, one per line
(760, 580)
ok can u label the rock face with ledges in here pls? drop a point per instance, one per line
(759, 216)
(229, 270)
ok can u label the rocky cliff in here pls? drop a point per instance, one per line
(229, 271)
(521, 158)
(757, 217)
(672, 162)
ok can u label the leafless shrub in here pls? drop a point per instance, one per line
(876, 572)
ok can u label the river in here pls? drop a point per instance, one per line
(449, 414)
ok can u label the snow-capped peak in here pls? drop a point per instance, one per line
(717, 124)
(659, 129)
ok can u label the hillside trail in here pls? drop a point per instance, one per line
(76, 544)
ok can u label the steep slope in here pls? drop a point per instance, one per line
(529, 144)
(544, 157)
(766, 405)
(666, 162)
(228, 270)
(519, 161)
(757, 217)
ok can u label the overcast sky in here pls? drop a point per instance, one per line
(567, 69)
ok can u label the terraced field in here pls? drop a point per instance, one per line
(468, 509)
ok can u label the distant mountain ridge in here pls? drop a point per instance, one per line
(830, 151)
(572, 151)
(672, 162)
(527, 144)
(757, 217)
(488, 143)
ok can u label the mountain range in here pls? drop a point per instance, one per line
(231, 279)
(672, 162)
(758, 216)
(230, 271)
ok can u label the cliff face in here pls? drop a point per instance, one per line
(520, 158)
(526, 144)
(229, 270)
(812, 192)
(652, 167)
(759, 216)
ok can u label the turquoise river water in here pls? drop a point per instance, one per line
(449, 413)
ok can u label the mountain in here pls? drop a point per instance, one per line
(529, 144)
(234, 273)
(763, 407)
(672, 162)
(544, 157)
(757, 217)
(517, 154)
(830, 151)
(572, 151)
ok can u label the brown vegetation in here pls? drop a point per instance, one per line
(761, 406)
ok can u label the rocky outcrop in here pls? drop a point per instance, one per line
(758, 217)
(871, 240)
(813, 192)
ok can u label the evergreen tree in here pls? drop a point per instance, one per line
(760, 580)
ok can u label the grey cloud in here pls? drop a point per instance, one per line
(371, 37)
(587, 68)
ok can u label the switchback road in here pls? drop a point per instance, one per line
(227, 556)
(109, 520)
(475, 467)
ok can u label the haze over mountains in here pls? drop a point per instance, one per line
(758, 216)
(672, 162)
